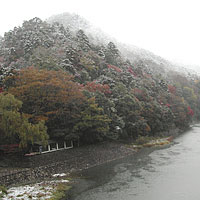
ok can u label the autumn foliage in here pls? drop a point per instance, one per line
(117, 69)
(79, 89)
(190, 111)
(130, 70)
(172, 89)
(53, 96)
(94, 87)
(44, 92)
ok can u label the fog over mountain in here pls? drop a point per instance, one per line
(135, 54)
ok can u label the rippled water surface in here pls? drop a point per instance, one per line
(166, 174)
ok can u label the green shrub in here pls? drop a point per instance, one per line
(3, 190)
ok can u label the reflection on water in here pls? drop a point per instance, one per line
(166, 174)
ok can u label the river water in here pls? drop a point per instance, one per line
(171, 173)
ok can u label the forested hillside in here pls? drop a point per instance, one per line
(60, 84)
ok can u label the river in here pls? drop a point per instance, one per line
(171, 173)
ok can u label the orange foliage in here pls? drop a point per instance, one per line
(44, 93)
(147, 129)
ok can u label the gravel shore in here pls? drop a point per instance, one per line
(66, 161)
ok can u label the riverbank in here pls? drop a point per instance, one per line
(146, 174)
(66, 161)
(36, 179)
(81, 158)
(41, 167)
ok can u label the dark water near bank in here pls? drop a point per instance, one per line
(171, 173)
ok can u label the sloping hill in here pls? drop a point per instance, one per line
(135, 54)
(87, 88)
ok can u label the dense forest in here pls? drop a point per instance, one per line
(58, 83)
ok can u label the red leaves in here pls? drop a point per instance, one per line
(9, 148)
(94, 87)
(130, 70)
(1, 90)
(190, 111)
(137, 91)
(117, 69)
(172, 89)
(140, 94)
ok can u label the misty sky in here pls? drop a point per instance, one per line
(169, 28)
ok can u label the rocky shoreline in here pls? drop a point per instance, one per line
(41, 167)
(72, 160)
(22, 182)
(67, 161)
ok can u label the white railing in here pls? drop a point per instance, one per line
(57, 148)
